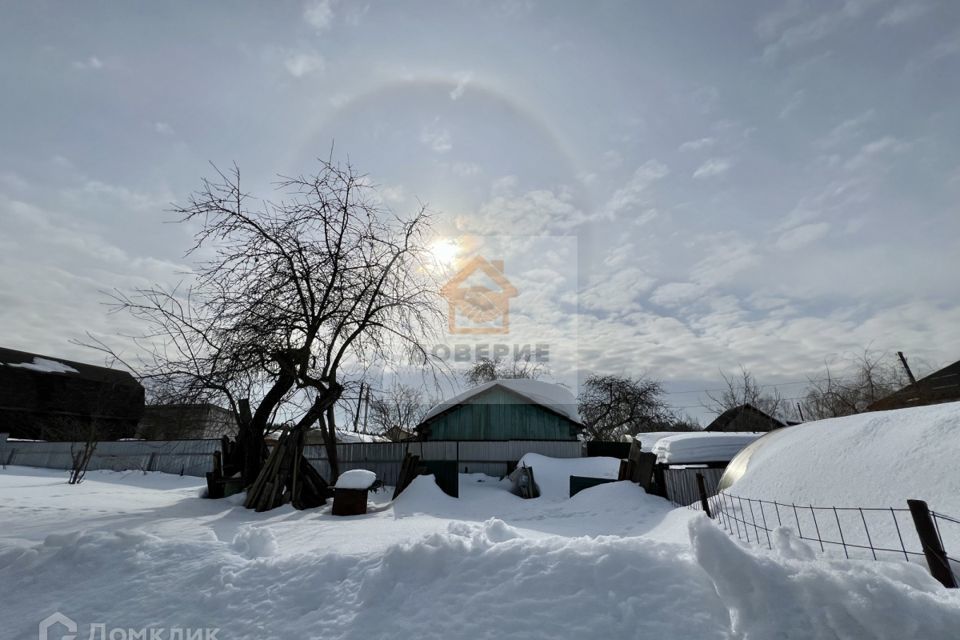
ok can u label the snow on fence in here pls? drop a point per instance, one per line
(912, 533)
(195, 457)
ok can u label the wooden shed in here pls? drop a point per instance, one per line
(505, 410)
(48, 398)
(938, 387)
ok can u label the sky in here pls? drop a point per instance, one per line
(676, 188)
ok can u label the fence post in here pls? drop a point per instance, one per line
(932, 545)
(702, 488)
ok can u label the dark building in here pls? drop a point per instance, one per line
(746, 417)
(505, 410)
(938, 387)
(47, 398)
(186, 422)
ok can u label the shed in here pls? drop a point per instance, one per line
(505, 410)
(940, 386)
(746, 417)
(47, 398)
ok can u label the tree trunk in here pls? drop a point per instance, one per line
(330, 442)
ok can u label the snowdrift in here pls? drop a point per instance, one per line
(552, 475)
(869, 460)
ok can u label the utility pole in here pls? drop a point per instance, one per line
(800, 412)
(356, 416)
(903, 359)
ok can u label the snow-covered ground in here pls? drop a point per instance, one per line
(133, 551)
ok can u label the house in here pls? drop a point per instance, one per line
(47, 398)
(940, 386)
(505, 410)
(746, 417)
(397, 434)
(186, 422)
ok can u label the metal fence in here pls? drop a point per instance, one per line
(494, 458)
(912, 533)
(195, 457)
(183, 457)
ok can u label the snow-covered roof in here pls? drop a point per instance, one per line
(700, 446)
(552, 396)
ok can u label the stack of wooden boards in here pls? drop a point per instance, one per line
(287, 477)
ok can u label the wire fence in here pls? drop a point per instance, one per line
(913, 533)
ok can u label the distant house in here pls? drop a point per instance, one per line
(938, 387)
(505, 410)
(746, 417)
(186, 422)
(396, 434)
(47, 398)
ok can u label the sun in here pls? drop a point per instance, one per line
(445, 252)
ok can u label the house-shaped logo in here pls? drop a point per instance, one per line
(47, 627)
(474, 306)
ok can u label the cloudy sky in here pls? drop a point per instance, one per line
(766, 184)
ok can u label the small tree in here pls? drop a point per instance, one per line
(613, 406)
(399, 406)
(744, 389)
(870, 377)
(490, 369)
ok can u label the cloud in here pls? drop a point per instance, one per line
(903, 13)
(846, 131)
(465, 169)
(713, 167)
(93, 63)
(635, 194)
(616, 291)
(319, 14)
(675, 294)
(788, 28)
(463, 78)
(163, 128)
(801, 236)
(304, 63)
(792, 104)
(696, 145)
(869, 152)
(436, 138)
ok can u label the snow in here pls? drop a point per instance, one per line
(553, 396)
(877, 459)
(356, 479)
(44, 365)
(552, 475)
(699, 446)
(133, 550)
(344, 435)
(650, 438)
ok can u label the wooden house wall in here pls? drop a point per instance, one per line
(500, 415)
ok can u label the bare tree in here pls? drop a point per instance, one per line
(287, 299)
(869, 377)
(399, 406)
(490, 369)
(744, 389)
(612, 406)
